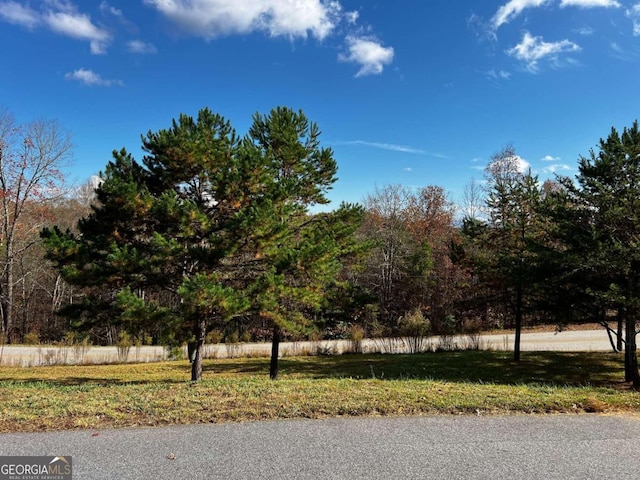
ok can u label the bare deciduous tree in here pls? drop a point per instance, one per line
(473, 200)
(31, 158)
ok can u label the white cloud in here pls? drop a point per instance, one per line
(555, 168)
(634, 14)
(77, 25)
(106, 8)
(18, 14)
(352, 17)
(589, 3)
(279, 18)
(214, 18)
(621, 54)
(496, 75)
(368, 53)
(408, 169)
(522, 165)
(89, 77)
(388, 146)
(395, 148)
(549, 158)
(138, 46)
(62, 17)
(512, 9)
(60, 5)
(533, 49)
(586, 30)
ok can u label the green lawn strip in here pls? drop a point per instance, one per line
(55, 398)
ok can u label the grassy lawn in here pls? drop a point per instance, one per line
(472, 382)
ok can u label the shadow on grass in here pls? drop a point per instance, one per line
(549, 368)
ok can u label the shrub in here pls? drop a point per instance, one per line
(175, 353)
(415, 329)
(214, 336)
(355, 336)
(79, 344)
(447, 342)
(124, 346)
(32, 338)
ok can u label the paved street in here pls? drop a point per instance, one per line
(445, 447)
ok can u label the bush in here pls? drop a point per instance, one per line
(233, 337)
(124, 346)
(231, 344)
(214, 336)
(355, 336)
(32, 338)
(79, 344)
(175, 353)
(415, 329)
(447, 342)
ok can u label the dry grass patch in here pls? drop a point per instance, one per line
(107, 396)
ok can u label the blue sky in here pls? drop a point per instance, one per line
(412, 92)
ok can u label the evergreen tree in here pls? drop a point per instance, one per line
(211, 226)
(602, 230)
(514, 228)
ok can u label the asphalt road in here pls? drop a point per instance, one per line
(579, 340)
(444, 447)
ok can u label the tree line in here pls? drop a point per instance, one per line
(212, 235)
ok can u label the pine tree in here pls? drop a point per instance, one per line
(211, 226)
(602, 229)
(514, 228)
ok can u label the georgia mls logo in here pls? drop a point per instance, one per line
(59, 465)
(35, 468)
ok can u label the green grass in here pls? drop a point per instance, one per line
(474, 382)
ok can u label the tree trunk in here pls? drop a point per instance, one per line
(619, 334)
(631, 373)
(516, 346)
(196, 364)
(7, 299)
(275, 349)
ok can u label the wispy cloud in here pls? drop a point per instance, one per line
(138, 46)
(549, 158)
(512, 9)
(532, 50)
(90, 78)
(556, 167)
(62, 17)
(634, 14)
(394, 148)
(496, 75)
(584, 31)
(387, 146)
(19, 14)
(625, 55)
(368, 53)
(106, 8)
(509, 11)
(589, 3)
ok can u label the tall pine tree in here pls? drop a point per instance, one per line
(211, 226)
(602, 229)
